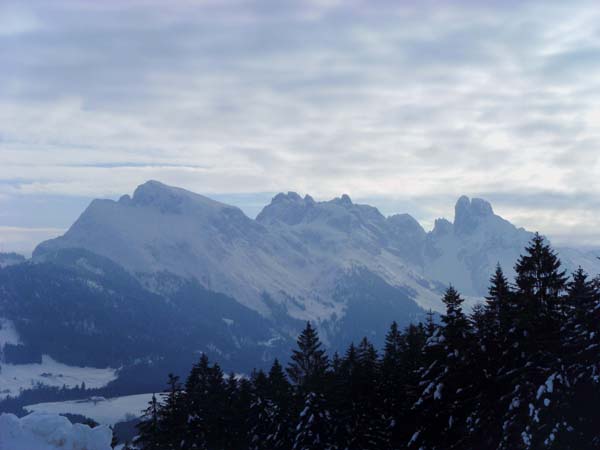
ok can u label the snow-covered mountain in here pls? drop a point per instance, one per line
(295, 253)
(464, 253)
(165, 274)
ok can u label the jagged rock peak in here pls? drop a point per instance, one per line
(406, 223)
(475, 207)
(344, 200)
(441, 227)
(468, 213)
(287, 208)
(291, 196)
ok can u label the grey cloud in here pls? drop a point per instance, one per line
(386, 100)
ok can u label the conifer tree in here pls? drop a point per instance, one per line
(149, 432)
(370, 430)
(359, 421)
(197, 403)
(218, 420)
(281, 398)
(342, 402)
(575, 404)
(173, 417)
(430, 325)
(540, 280)
(236, 413)
(412, 363)
(445, 401)
(392, 386)
(309, 364)
(313, 429)
(497, 306)
(492, 351)
(263, 421)
(537, 365)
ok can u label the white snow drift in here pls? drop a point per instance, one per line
(17, 377)
(104, 411)
(39, 431)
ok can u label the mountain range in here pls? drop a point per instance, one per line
(185, 274)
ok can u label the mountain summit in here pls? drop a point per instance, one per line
(469, 213)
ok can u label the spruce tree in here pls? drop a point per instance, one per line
(540, 280)
(370, 430)
(237, 414)
(218, 420)
(281, 398)
(149, 432)
(581, 331)
(492, 352)
(537, 365)
(173, 417)
(263, 423)
(497, 306)
(309, 364)
(197, 404)
(342, 400)
(392, 387)
(314, 425)
(447, 395)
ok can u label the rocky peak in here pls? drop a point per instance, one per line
(441, 227)
(469, 213)
(156, 194)
(344, 200)
(287, 208)
(406, 224)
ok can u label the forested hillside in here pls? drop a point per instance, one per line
(519, 372)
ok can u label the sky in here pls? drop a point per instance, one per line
(405, 105)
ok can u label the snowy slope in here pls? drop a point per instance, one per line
(465, 252)
(166, 229)
(105, 411)
(8, 334)
(16, 377)
(39, 431)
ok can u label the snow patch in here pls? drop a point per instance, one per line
(17, 377)
(105, 411)
(8, 334)
(40, 431)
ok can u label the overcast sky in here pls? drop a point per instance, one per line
(402, 104)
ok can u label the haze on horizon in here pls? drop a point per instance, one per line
(402, 105)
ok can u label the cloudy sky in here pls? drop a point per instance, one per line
(402, 104)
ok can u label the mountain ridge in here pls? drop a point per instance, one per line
(225, 284)
(297, 248)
